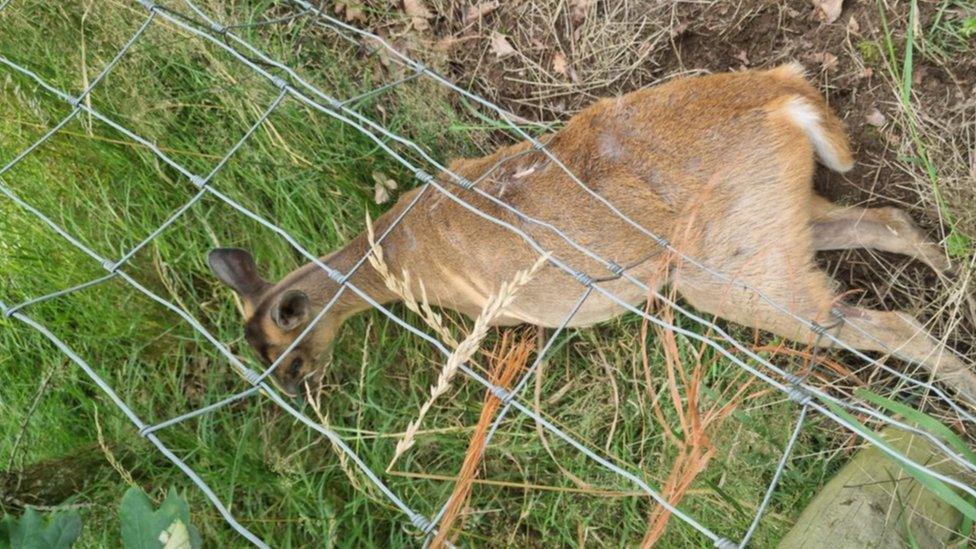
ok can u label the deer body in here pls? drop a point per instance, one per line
(720, 165)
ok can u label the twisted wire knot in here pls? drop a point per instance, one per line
(615, 268)
(148, 4)
(252, 377)
(423, 176)
(421, 523)
(725, 543)
(279, 82)
(338, 277)
(466, 183)
(110, 265)
(199, 182)
(501, 394)
(800, 395)
(583, 278)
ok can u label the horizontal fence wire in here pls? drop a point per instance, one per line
(204, 26)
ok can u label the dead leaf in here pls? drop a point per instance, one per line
(828, 10)
(500, 45)
(827, 60)
(875, 118)
(479, 10)
(853, 26)
(678, 29)
(382, 179)
(866, 72)
(559, 63)
(418, 13)
(578, 10)
(741, 56)
(350, 11)
(380, 194)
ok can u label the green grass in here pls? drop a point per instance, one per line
(312, 176)
(943, 36)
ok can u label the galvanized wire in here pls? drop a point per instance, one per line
(339, 110)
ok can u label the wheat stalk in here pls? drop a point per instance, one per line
(467, 348)
(402, 287)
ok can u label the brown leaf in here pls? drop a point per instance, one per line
(875, 118)
(479, 10)
(380, 194)
(500, 45)
(382, 179)
(418, 13)
(351, 11)
(578, 10)
(559, 63)
(853, 26)
(828, 10)
(741, 56)
(827, 60)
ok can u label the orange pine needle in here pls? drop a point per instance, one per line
(509, 359)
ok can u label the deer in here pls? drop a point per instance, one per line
(721, 165)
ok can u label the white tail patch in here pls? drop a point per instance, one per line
(807, 117)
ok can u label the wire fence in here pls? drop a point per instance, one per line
(291, 85)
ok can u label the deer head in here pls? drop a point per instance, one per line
(276, 314)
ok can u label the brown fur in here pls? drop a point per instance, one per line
(720, 165)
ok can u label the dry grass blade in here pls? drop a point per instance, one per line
(467, 348)
(315, 403)
(511, 359)
(696, 424)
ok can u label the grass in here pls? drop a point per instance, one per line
(312, 176)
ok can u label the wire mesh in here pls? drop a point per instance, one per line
(294, 86)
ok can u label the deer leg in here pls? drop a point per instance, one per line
(807, 295)
(888, 229)
(901, 335)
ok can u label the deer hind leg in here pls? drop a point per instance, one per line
(836, 227)
(806, 294)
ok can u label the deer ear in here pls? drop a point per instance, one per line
(235, 268)
(292, 310)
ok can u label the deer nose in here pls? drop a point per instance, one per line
(290, 387)
(295, 368)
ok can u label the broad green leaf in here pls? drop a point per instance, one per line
(32, 531)
(167, 527)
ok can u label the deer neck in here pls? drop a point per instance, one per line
(363, 276)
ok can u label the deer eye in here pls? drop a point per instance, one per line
(295, 367)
